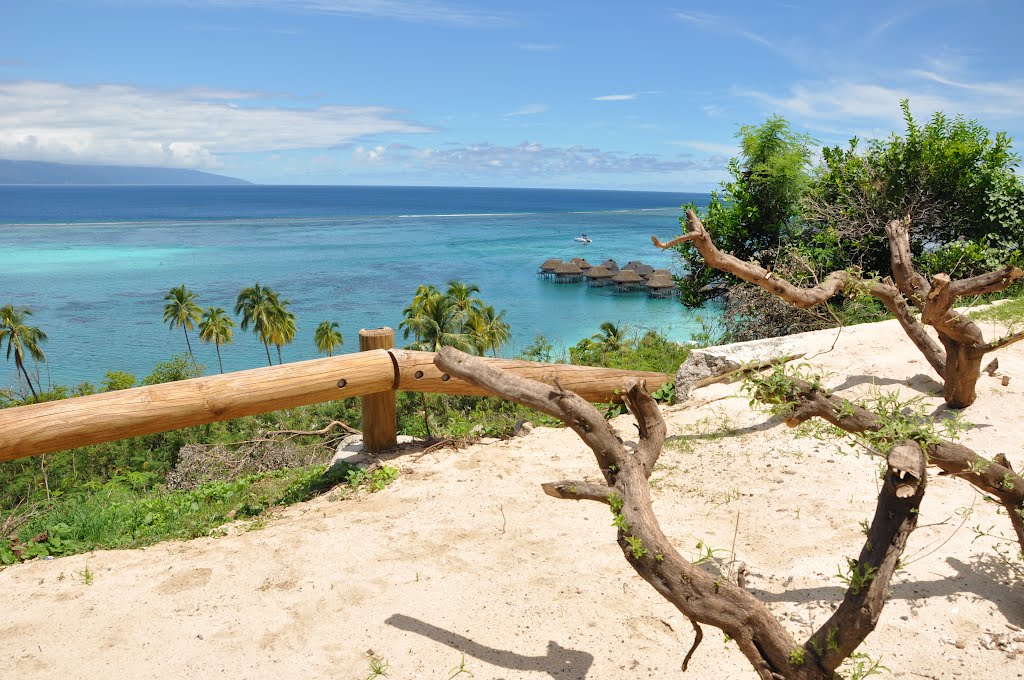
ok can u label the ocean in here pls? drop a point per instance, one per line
(94, 262)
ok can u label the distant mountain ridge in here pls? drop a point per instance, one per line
(42, 172)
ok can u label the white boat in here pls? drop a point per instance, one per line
(583, 238)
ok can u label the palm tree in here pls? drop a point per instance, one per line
(327, 337)
(216, 327)
(436, 321)
(461, 294)
(495, 332)
(282, 326)
(20, 338)
(257, 305)
(611, 338)
(181, 310)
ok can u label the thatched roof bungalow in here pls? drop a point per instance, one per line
(628, 280)
(661, 286)
(567, 272)
(611, 265)
(547, 269)
(598, 276)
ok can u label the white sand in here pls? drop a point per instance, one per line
(465, 554)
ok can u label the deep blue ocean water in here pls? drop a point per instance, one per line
(95, 262)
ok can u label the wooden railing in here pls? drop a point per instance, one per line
(374, 374)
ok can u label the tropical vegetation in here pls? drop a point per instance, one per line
(21, 338)
(181, 310)
(216, 327)
(327, 337)
(802, 220)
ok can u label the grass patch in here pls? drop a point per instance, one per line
(117, 514)
(1007, 312)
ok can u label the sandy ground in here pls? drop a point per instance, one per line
(464, 559)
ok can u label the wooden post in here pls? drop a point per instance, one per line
(69, 423)
(380, 410)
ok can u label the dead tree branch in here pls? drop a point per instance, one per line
(957, 360)
(989, 476)
(701, 596)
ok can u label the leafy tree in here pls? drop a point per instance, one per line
(177, 368)
(455, 318)
(759, 208)
(216, 327)
(952, 178)
(258, 306)
(181, 310)
(117, 380)
(21, 338)
(327, 337)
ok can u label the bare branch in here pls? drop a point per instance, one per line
(999, 343)
(991, 282)
(908, 280)
(578, 491)
(869, 576)
(803, 298)
(989, 476)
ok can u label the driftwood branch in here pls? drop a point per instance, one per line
(323, 430)
(958, 354)
(895, 518)
(701, 596)
(989, 476)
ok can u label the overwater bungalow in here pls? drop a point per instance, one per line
(632, 265)
(599, 276)
(583, 264)
(611, 265)
(567, 272)
(661, 286)
(547, 269)
(628, 280)
(644, 270)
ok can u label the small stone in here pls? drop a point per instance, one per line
(959, 644)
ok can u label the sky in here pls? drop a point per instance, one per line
(644, 95)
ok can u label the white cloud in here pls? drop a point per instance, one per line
(710, 147)
(186, 128)
(417, 11)
(615, 98)
(928, 92)
(528, 110)
(718, 24)
(528, 159)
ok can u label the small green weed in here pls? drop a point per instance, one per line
(460, 669)
(86, 574)
(378, 668)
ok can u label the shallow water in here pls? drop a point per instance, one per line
(95, 262)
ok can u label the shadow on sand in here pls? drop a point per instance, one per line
(562, 663)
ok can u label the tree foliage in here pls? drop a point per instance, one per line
(950, 176)
(758, 208)
(21, 339)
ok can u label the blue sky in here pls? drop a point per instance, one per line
(596, 94)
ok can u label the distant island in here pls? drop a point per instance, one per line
(40, 172)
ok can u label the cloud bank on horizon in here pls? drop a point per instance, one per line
(518, 94)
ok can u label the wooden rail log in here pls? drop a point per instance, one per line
(70, 423)
(417, 373)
